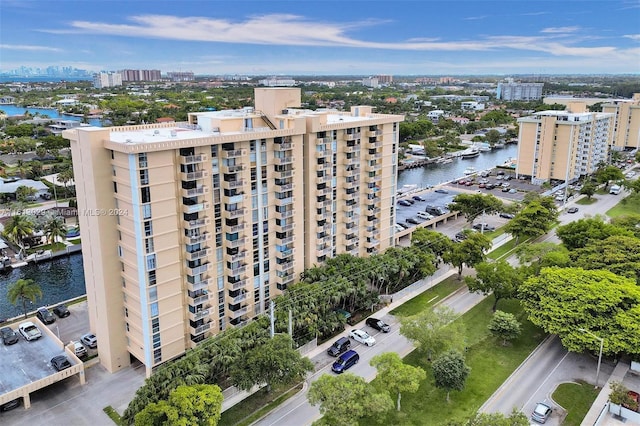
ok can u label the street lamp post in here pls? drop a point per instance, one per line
(600, 355)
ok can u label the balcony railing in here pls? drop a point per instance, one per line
(235, 228)
(194, 239)
(374, 133)
(352, 136)
(193, 159)
(197, 223)
(236, 153)
(201, 328)
(286, 187)
(373, 167)
(199, 315)
(198, 254)
(237, 270)
(233, 184)
(200, 299)
(285, 266)
(236, 243)
(234, 214)
(284, 253)
(238, 299)
(325, 191)
(232, 169)
(238, 313)
(283, 174)
(237, 285)
(198, 269)
(283, 160)
(200, 285)
(198, 174)
(193, 192)
(285, 214)
(376, 144)
(286, 240)
(284, 201)
(283, 146)
(286, 227)
(194, 208)
(236, 257)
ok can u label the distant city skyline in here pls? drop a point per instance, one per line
(324, 37)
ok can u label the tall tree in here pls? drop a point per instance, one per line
(534, 220)
(473, 206)
(606, 174)
(450, 371)
(504, 326)
(588, 189)
(345, 399)
(197, 405)
(434, 331)
(499, 278)
(581, 232)
(274, 362)
(24, 290)
(17, 228)
(396, 376)
(619, 254)
(55, 228)
(565, 300)
(469, 252)
(431, 241)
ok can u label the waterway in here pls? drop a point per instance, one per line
(434, 174)
(12, 110)
(60, 279)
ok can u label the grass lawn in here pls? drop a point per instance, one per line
(257, 405)
(429, 297)
(577, 399)
(502, 250)
(52, 247)
(75, 241)
(586, 201)
(490, 362)
(627, 206)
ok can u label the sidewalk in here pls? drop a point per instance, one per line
(599, 412)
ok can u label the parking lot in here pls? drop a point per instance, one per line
(431, 198)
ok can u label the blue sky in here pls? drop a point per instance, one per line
(324, 37)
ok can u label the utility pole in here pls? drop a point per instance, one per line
(272, 317)
(291, 323)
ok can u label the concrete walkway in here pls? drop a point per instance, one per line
(599, 412)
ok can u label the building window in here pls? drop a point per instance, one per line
(146, 211)
(148, 244)
(148, 229)
(157, 355)
(154, 309)
(144, 177)
(145, 194)
(142, 160)
(153, 294)
(115, 187)
(152, 277)
(151, 262)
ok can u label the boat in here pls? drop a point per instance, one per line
(498, 145)
(482, 147)
(446, 161)
(469, 153)
(469, 170)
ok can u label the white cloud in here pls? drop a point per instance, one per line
(27, 47)
(560, 30)
(632, 36)
(476, 18)
(534, 13)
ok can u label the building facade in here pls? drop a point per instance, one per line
(512, 91)
(141, 75)
(626, 134)
(561, 145)
(107, 79)
(191, 228)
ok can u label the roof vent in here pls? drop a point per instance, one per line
(128, 141)
(156, 132)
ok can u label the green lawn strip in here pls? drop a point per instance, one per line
(53, 247)
(627, 206)
(429, 297)
(113, 415)
(490, 362)
(76, 241)
(258, 404)
(586, 201)
(577, 399)
(502, 250)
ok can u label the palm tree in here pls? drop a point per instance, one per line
(55, 228)
(65, 177)
(24, 290)
(17, 228)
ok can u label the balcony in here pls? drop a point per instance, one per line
(194, 239)
(234, 214)
(198, 300)
(322, 167)
(352, 136)
(238, 299)
(375, 156)
(193, 159)
(284, 201)
(324, 191)
(200, 285)
(351, 237)
(350, 149)
(323, 179)
(325, 204)
(283, 174)
(371, 243)
(238, 313)
(200, 329)
(198, 254)
(375, 221)
(236, 257)
(323, 215)
(285, 214)
(374, 179)
(283, 146)
(285, 187)
(283, 160)
(194, 192)
(236, 243)
(237, 270)
(285, 227)
(197, 223)
(232, 169)
(233, 184)
(284, 253)
(286, 240)
(235, 228)
(194, 208)
(375, 144)
(373, 167)
(352, 173)
(197, 270)
(238, 285)
(199, 315)
(323, 140)
(284, 267)
(371, 212)
(351, 185)
(236, 153)
(321, 154)
(324, 251)
(198, 174)
(374, 133)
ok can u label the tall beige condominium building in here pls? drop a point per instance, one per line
(562, 145)
(191, 228)
(626, 134)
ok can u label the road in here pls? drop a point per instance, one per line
(297, 410)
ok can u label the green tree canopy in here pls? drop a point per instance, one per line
(581, 232)
(499, 278)
(197, 405)
(434, 331)
(619, 254)
(516, 418)
(431, 241)
(345, 399)
(504, 326)
(534, 220)
(24, 290)
(470, 251)
(450, 371)
(397, 376)
(274, 362)
(564, 300)
(588, 189)
(17, 228)
(608, 173)
(473, 206)
(540, 255)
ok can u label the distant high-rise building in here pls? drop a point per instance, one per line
(192, 228)
(370, 82)
(562, 145)
(385, 79)
(278, 82)
(178, 76)
(107, 79)
(512, 91)
(627, 123)
(141, 75)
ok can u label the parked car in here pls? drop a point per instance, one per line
(541, 413)
(29, 331)
(398, 228)
(505, 189)
(402, 225)
(341, 345)
(61, 311)
(378, 324)
(90, 340)
(404, 203)
(507, 215)
(9, 337)
(424, 215)
(461, 236)
(10, 405)
(441, 191)
(513, 191)
(435, 210)
(45, 316)
(362, 336)
(79, 349)
(484, 227)
(345, 361)
(413, 221)
(419, 198)
(60, 362)
(572, 210)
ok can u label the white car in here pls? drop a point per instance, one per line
(29, 331)
(362, 337)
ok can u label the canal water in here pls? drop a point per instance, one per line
(63, 278)
(12, 110)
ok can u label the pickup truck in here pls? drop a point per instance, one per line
(29, 331)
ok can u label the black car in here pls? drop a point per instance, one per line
(378, 325)
(507, 215)
(45, 316)
(572, 210)
(9, 337)
(435, 210)
(419, 198)
(10, 405)
(61, 311)
(413, 221)
(461, 236)
(60, 362)
(341, 345)
(404, 203)
(441, 191)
